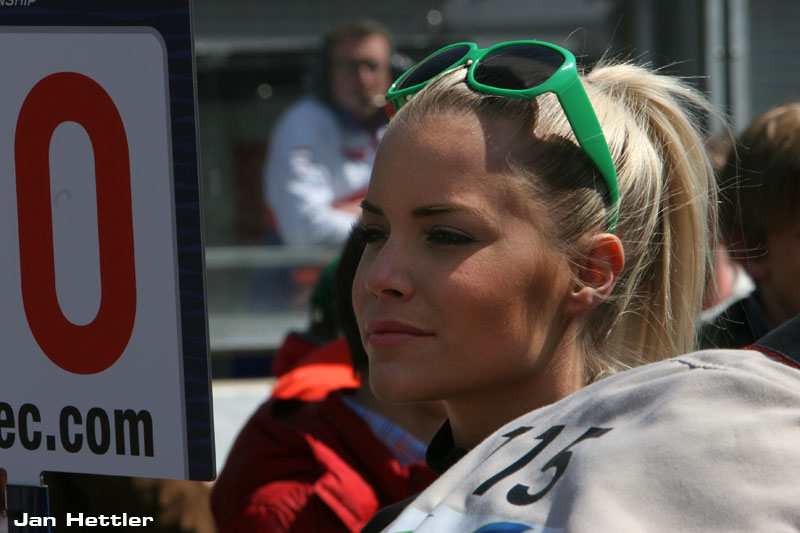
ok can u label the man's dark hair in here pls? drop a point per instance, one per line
(760, 183)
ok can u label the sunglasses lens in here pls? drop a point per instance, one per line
(519, 66)
(433, 66)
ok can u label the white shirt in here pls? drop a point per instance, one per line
(708, 441)
(742, 287)
(315, 160)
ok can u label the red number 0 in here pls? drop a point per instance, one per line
(58, 98)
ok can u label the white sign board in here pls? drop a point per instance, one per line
(92, 351)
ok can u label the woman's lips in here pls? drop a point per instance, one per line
(386, 333)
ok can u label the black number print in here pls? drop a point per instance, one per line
(518, 495)
(546, 438)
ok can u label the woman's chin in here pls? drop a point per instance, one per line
(392, 387)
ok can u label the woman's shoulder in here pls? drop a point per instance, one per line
(660, 447)
(711, 383)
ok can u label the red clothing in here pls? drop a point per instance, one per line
(299, 467)
(316, 374)
(294, 348)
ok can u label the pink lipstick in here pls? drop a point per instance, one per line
(388, 333)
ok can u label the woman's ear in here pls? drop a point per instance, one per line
(597, 273)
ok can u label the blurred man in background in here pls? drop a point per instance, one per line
(322, 150)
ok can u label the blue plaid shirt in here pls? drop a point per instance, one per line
(405, 447)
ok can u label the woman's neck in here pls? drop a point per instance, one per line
(477, 415)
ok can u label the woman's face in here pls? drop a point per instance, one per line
(458, 294)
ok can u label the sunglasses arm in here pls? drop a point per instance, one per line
(581, 116)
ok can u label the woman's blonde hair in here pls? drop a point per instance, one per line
(667, 190)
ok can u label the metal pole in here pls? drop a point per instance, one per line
(739, 51)
(714, 47)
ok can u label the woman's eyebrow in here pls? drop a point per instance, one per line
(426, 211)
(431, 210)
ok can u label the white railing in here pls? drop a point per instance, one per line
(234, 324)
(252, 257)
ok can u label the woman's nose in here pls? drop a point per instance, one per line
(389, 272)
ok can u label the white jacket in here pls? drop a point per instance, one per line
(315, 160)
(708, 441)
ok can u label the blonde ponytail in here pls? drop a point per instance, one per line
(668, 211)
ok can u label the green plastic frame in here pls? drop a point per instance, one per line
(564, 83)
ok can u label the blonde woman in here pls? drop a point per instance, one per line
(529, 232)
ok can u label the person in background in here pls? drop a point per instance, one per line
(729, 282)
(311, 364)
(760, 202)
(307, 463)
(322, 327)
(321, 151)
(534, 237)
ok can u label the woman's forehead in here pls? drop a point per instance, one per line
(446, 159)
(462, 138)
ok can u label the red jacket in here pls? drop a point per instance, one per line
(317, 373)
(305, 467)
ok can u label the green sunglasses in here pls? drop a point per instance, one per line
(521, 69)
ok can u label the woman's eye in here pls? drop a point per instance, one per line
(448, 236)
(372, 234)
